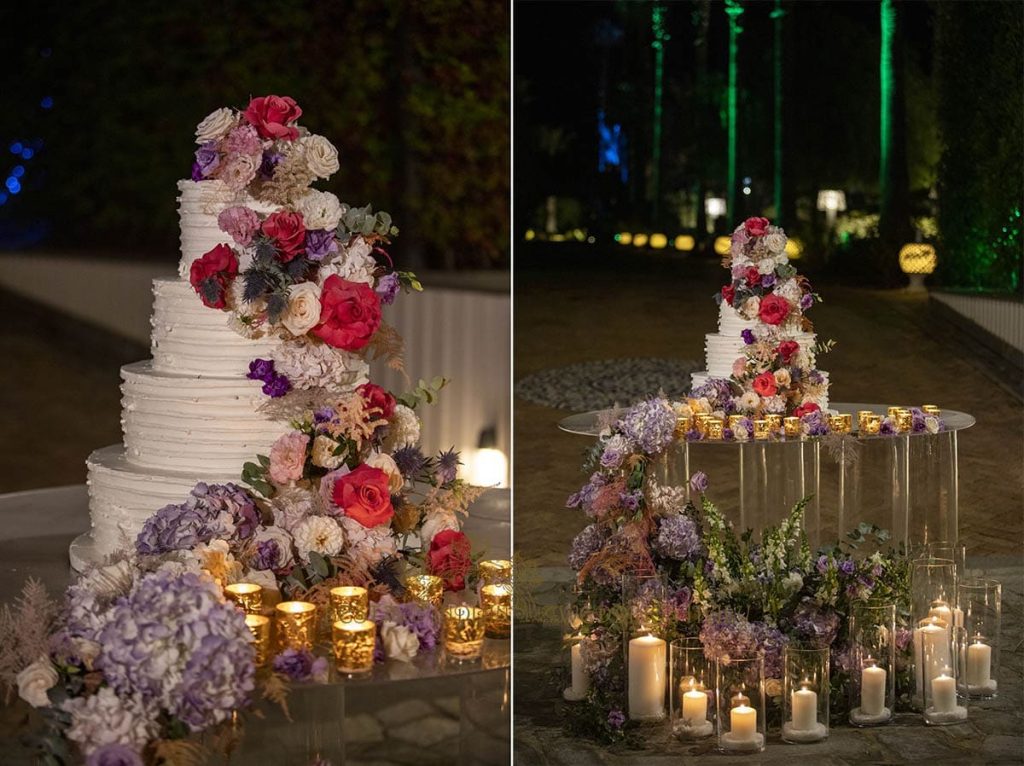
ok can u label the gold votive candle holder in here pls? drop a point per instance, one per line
(835, 424)
(349, 603)
(931, 409)
(715, 428)
(873, 424)
(774, 421)
(496, 603)
(683, 425)
(464, 630)
(846, 421)
(701, 424)
(761, 430)
(248, 596)
(891, 412)
(259, 626)
(353, 642)
(495, 572)
(791, 427)
(295, 625)
(862, 420)
(904, 420)
(734, 420)
(427, 589)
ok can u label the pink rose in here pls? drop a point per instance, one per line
(739, 367)
(349, 314)
(288, 233)
(273, 116)
(212, 274)
(239, 223)
(288, 457)
(756, 227)
(773, 310)
(787, 349)
(449, 558)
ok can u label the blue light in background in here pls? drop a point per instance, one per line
(13, 186)
(16, 147)
(47, 102)
(18, 172)
(3, 198)
(27, 153)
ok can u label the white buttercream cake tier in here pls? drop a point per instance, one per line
(189, 337)
(192, 423)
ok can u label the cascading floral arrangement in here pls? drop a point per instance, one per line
(735, 592)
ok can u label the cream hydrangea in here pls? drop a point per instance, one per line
(790, 290)
(317, 365)
(319, 534)
(321, 156)
(353, 262)
(403, 430)
(303, 311)
(320, 210)
(215, 125)
(104, 718)
(291, 507)
(438, 521)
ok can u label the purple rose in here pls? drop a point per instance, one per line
(115, 754)
(387, 288)
(300, 665)
(319, 244)
(207, 159)
(768, 280)
(699, 482)
(261, 369)
(846, 566)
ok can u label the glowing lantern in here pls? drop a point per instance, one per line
(640, 240)
(489, 465)
(831, 201)
(685, 242)
(714, 207)
(659, 241)
(794, 249)
(530, 234)
(624, 238)
(917, 260)
(723, 245)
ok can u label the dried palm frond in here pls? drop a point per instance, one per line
(179, 752)
(274, 688)
(388, 344)
(25, 630)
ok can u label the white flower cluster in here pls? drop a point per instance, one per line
(404, 429)
(317, 365)
(353, 262)
(318, 534)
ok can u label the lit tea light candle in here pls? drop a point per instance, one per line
(846, 421)
(295, 623)
(647, 665)
(862, 419)
(892, 412)
(349, 603)
(979, 667)
(427, 589)
(259, 626)
(791, 426)
(495, 572)
(931, 409)
(904, 420)
(353, 642)
(873, 425)
(248, 596)
(734, 420)
(496, 602)
(464, 628)
(715, 428)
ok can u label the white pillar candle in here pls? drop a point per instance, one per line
(932, 641)
(872, 689)
(742, 720)
(979, 664)
(958, 617)
(580, 679)
(943, 694)
(646, 677)
(695, 706)
(805, 709)
(941, 610)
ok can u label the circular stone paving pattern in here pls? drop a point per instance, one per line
(605, 383)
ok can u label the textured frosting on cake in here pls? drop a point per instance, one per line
(190, 338)
(199, 204)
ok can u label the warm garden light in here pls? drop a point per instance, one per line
(530, 235)
(831, 201)
(685, 242)
(640, 240)
(659, 241)
(489, 465)
(723, 245)
(917, 260)
(714, 207)
(794, 249)
(624, 238)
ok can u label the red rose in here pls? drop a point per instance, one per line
(272, 116)
(787, 349)
(349, 314)
(363, 495)
(449, 558)
(753, 275)
(756, 227)
(212, 274)
(378, 399)
(287, 232)
(805, 409)
(764, 384)
(773, 309)
(728, 293)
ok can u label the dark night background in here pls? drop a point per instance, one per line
(414, 95)
(957, 127)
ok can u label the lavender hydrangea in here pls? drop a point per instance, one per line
(615, 450)
(212, 511)
(588, 542)
(421, 619)
(815, 625)
(175, 645)
(320, 243)
(678, 538)
(584, 499)
(650, 425)
(728, 634)
(116, 754)
(301, 665)
(815, 423)
(717, 391)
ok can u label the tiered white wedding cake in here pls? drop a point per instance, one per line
(189, 414)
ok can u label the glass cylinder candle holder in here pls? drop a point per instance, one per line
(739, 691)
(761, 430)
(349, 603)
(496, 602)
(939, 700)
(691, 687)
(495, 572)
(805, 694)
(948, 550)
(981, 604)
(248, 596)
(933, 589)
(464, 628)
(426, 589)
(353, 642)
(295, 625)
(646, 651)
(872, 683)
(792, 428)
(259, 626)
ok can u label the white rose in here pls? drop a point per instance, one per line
(321, 156)
(781, 260)
(215, 125)
(323, 453)
(775, 241)
(320, 210)
(436, 522)
(400, 643)
(35, 680)
(931, 424)
(319, 534)
(749, 401)
(766, 266)
(303, 308)
(782, 378)
(750, 307)
(386, 464)
(404, 430)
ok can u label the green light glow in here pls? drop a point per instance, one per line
(658, 32)
(888, 18)
(733, 9)
(777, 14)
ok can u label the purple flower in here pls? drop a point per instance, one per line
(888, 427)
(588, 542)
(197, 172)
(806, 301)
(269, 164)
(410, 460)
(815, 423)
(679, 602)
(616, 719)
(261, 369)
(324, 415)
(300, 665)
(748, 336)
(268, 553)
(277, 386)
(822, 564)
(678, 538)
(699, 482)
(846, 566)
(388, 287)
(447, 466)
(115, 754)
(768, 280)
(631, 500)
(815, 625)
(650, 425)
(422, 619)
(210, 512)
(319, 244)
(207, 159)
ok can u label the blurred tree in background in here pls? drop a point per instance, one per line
(415, 95)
